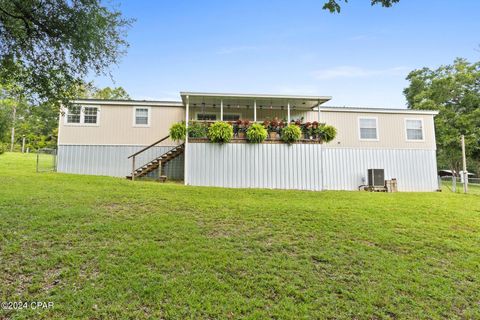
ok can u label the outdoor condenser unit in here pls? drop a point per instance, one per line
(376, 177)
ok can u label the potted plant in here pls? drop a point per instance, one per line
(273, 129)
(326, 132)
(197, 130)
(291, 133)
(220, 132)
(256, 133)
(307, 130)
(178, 131)
(241, 128)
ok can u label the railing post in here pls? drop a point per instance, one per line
(133, 168)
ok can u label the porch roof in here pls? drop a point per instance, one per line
(200, 99)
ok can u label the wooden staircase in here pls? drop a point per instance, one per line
(159, 162)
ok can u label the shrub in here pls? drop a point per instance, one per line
(327, 132)
(2, 148)
(291, 133)
(220, 132)
(197, 130)
(178, 131)
(256, 133)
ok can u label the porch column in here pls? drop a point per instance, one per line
(185, 162)
(221, 110)
(318, 113)
(254, 110)
(288, 113)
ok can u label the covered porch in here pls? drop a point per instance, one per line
(210, 107)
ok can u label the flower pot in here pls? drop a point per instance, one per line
(272, 135)
(241, 135)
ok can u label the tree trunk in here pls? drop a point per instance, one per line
(12, 138)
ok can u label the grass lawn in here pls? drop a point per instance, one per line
(107, 248)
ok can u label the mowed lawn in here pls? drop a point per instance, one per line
(107, 248)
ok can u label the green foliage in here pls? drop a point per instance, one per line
(197, 130)
(291, 133)
(48, 47)
(334, 7)
(178, 131)
(2, 148)
(107, 93)
(220, 132)
(327, 132)
(256, 133)
(453, 90)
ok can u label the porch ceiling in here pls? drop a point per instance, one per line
(199, 99)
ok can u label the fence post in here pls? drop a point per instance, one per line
(38, 154)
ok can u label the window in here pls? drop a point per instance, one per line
(142, 116)
(231, 117)
(73, 114)
(414, 129)
(368, 128)
(90, 115)
(86, 116)
(206, 116)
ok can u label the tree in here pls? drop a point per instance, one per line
(49, 46)
(453, 90)
(108, 93)
(334, 7)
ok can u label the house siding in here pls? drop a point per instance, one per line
(306, 166)
(110, 160)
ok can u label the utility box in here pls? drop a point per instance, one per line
(376, 177)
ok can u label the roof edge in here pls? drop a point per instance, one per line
(377, 110)
(129, 102)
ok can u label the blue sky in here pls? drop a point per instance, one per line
(360, 57)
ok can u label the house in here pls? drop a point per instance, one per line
(130, 138)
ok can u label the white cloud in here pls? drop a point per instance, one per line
(357, 72)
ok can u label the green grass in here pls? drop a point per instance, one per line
(106, 248)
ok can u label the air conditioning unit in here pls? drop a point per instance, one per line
(376, 177)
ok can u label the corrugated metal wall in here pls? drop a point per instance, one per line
(306, 166)
(111, 160)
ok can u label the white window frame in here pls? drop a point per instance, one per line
(82, 117)
(406, 130)
(360, 131)
(134, 121)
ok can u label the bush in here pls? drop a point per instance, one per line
(197, 130)
(291, 133)
(327, 133)
(220, 132)
(178, 131)
(2, 148)
(256, 133)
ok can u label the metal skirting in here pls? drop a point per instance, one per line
(306, 166)
(111, 160)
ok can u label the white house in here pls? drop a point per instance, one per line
(102, 137)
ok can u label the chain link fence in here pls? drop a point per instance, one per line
(455, 184)
(46, 160)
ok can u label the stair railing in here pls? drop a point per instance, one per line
(142, 150)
